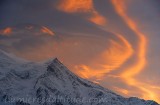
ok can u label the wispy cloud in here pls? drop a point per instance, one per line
(109, 60)
(7, 31)
(81, 6)
(129, 74)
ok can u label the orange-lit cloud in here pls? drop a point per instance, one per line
(47, 31)
(82, 6)
(97, 19)
(129, 73)
(73, 6)
(7, 31)
(87, 72)
(120, 90)
(138, 67)
(110, 59)
(149, 92)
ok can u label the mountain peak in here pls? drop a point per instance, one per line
(57, 81)
(56, 60)
(51, 61)
(57, 67)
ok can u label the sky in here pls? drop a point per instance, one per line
(114, 43)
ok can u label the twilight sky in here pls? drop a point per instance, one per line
(114, 43)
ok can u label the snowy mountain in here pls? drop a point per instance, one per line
(51, 83)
